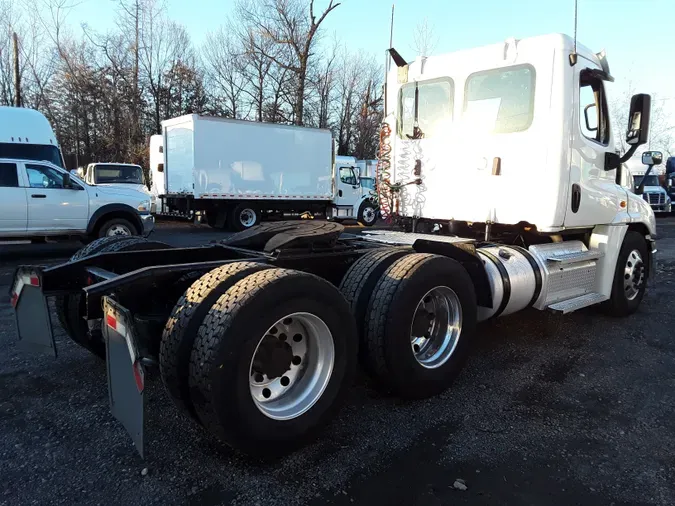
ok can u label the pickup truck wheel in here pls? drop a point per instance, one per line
(70, 309)
(273, 361)
(367, 213)
(421, 317)
(243, 217)
(630, 277)
(181, 328)
(358, 283)
(117, 227)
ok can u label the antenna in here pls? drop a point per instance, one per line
(391, 35)
(573, 56)
(576, 6)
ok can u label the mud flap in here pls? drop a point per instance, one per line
(126, 374)
(33, 322)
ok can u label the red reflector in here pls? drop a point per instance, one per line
(111, 322)
(35, 281)
(139, 376)
(15, 299)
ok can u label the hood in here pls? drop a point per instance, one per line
(654, 189)
(126, 190)
(130, 186)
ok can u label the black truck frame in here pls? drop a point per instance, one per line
(131, 292)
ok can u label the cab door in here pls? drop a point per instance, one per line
(594, 196)
(51, 206)
(13, 211)
(349, 189)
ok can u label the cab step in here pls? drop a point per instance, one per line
(574, 257)
(570, 305)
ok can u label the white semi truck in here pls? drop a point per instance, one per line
(240, 172)
(257, 337)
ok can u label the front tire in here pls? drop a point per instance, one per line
(117, 227)
(421, 318)
(273, 361)
(630, 277)
(367, 215)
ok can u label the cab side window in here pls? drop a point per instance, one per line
(42, 176)
(9, 178)
(593, 114)
(347, 176)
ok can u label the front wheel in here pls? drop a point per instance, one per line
(630, 276)
(117, 227)
(367, 213)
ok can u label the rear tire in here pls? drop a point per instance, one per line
(70, 308)
(627, 294)
(243, 217)
(181, 328)
(421, 317)
(359, 282)
(223, 370)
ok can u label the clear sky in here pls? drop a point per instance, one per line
(638, 35)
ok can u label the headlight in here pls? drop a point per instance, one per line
(144, 207)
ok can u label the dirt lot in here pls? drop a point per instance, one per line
(585, 416)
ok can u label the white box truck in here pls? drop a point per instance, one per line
(240, 172)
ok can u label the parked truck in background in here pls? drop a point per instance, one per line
(257, 336)
(240, 172)
(653, 192)
(39, 198)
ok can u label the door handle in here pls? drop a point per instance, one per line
(38, 196)
(576, 197)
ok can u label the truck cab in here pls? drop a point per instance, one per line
(654, 194)
(472, 130)
(26, 134)
(354, 198)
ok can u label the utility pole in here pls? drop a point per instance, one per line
(17, 75)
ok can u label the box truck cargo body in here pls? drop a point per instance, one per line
(239, 172)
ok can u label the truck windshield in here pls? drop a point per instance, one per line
(36, 152)
(434, 104)
(129, 174)
(368, 182)
(649, 181)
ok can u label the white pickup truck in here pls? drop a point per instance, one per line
(39, 198)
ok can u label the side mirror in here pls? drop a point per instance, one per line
(638, 119)
(66, 180)
(589, 126)
(652, 158)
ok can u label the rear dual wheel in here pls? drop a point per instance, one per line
(271, 361)
(417, 326)
(70, 308)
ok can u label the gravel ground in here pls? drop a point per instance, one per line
(580, 416)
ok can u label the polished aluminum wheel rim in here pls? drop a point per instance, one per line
(291, 366)
(247, 217)
(118, 229)
(436, 327)
(633, 275)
